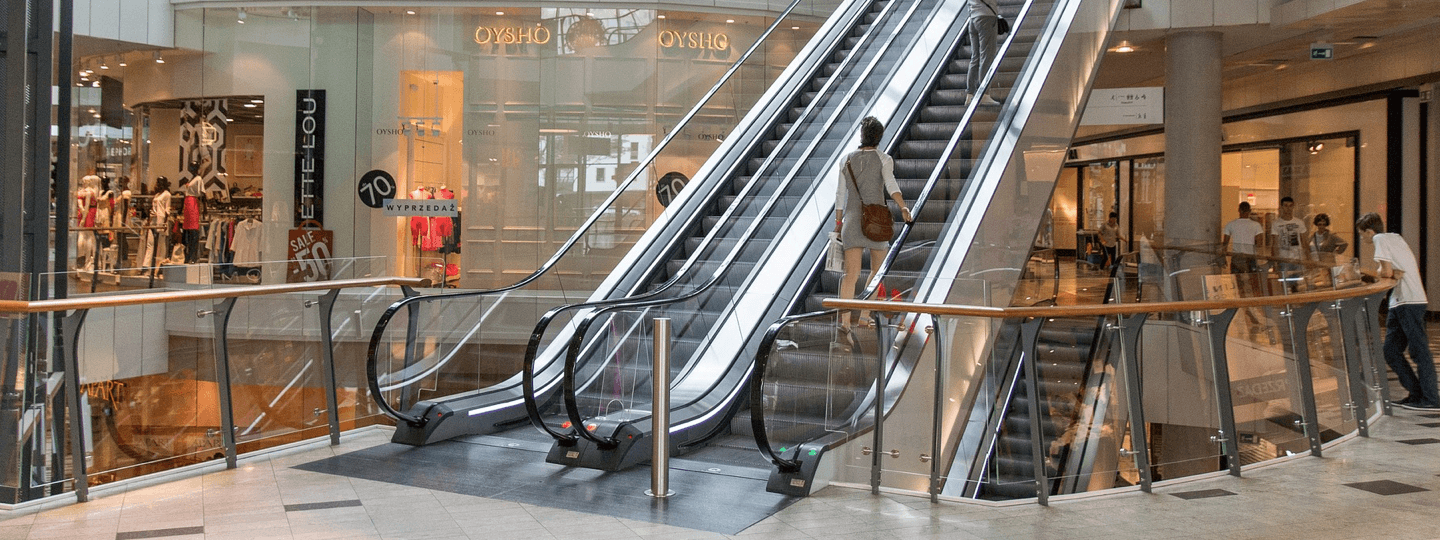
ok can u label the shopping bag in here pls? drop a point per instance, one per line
(835, 254)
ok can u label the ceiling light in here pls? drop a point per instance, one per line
(120, 60)
(409, 12)
(502, 13)
(250, 105)
(95, 84)
(257, 101)
(87, 72)
(159, 59)
(1367, 45)
(240, 17)
(1124, 47)
(103, 65)
(729, 21)
(794, 27)
(660, 16)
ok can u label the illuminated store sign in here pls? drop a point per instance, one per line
(512, 35)
(671, 39)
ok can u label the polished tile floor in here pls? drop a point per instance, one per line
(1339, 496)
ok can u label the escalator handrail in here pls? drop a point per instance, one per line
(644, 301)
(641, 167)
(762, 358)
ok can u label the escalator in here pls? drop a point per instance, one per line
(1069, 355)
(736, 269)
(427, 353)
(988, 187)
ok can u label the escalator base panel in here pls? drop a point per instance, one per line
(518, 475)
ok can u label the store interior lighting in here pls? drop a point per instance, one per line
(240, 17)
(159, 59)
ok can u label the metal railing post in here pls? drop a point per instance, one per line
(222, 312)
(1350, 326)
(660, 413)
(1376, 353)
(327, 352)
(937, 414)
(1029, 339)
(1299, 319)
(1228, 438)
(70, 332)
(1130, 359)
(879, 435)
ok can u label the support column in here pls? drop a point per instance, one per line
(1192, 137)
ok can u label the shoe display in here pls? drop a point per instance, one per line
(1428, 407)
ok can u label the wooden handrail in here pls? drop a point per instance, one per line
(94, 302)
(1094, 310)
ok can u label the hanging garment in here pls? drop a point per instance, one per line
(247, 243)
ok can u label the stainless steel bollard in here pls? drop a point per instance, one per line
(660, 414)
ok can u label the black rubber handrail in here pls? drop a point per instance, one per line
(639, 171)
(767, 343)
(577, 339)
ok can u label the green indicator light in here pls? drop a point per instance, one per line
(812, 452)
(782, 449)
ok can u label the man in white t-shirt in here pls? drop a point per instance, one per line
(1405, 324)
(1287, 234)
(1239, 240)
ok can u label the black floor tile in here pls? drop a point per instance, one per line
(517, 475)
(1420, 441)
(159, 533)
(321, 505)
(1387, 487)
(1202, 494)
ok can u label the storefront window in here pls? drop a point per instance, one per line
(528, 117)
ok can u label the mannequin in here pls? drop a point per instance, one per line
(419, 226)
(154, 248)
(86, 203)
(190, 219)
(120, 218)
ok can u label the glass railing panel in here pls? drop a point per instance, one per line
(1263, 387)
(432, 348)
(277, 373)
(352, 320)
(1076, 384)
(1179, 396)
(815, 382)
(148, 381)
(618, 376)
(1325, 348)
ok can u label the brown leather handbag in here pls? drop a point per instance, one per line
(875, 222)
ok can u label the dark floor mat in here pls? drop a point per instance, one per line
(521, 476)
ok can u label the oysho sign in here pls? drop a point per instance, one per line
(671, 39)
(512, 35)
(309, 155)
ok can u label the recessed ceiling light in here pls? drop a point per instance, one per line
(660, 16)
(409, 12)
(1124, 47)
(728, 21)
(499, 12)
(257, 101)
(250, 105)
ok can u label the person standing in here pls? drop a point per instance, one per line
(983, 27)
(1405, 323)
(1286, 234)
(1325, 245)
(1110, 238)
(863, 173)
(1239, 240)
